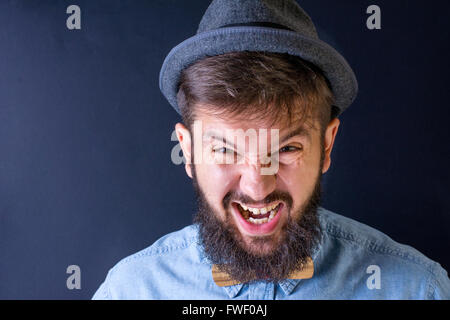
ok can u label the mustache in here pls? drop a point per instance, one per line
(276, 195)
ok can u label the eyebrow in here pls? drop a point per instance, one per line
(299, 131)
(211, 134)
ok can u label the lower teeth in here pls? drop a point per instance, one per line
(262, 220)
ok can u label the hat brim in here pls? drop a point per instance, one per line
(220, 41)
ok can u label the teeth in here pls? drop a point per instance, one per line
(258, 211)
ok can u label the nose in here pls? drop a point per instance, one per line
(254, 184)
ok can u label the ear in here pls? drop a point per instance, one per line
(330, 135)
(184, 137)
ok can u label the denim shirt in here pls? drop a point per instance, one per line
(352, 261)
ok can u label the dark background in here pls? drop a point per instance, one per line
(85, 171)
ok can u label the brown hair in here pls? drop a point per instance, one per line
(256, 86)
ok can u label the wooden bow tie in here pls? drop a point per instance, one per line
(222, 279)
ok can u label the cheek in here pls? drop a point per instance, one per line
(299, 172)
(299, 178)
(216, 181)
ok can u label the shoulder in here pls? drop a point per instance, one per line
(142, 274)
(174, 241)
(361, 247)
(372, 240)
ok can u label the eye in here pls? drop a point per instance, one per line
(222, 150)
(289, 149)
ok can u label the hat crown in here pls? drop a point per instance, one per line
(278, 26)
(285, 14)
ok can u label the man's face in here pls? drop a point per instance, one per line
(257, 208)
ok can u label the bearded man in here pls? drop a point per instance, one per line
(260, 94)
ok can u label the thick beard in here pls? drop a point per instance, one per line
(223, 244)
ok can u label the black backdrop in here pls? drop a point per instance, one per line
(85, 170)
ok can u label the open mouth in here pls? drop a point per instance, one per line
(259, 215)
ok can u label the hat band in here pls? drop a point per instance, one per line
(258, 24)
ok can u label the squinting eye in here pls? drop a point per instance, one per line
(289, 149)
(222, 150)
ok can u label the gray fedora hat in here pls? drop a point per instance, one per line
(279, 26)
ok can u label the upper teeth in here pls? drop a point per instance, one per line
(257, 211)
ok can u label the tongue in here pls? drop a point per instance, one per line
(259, 216)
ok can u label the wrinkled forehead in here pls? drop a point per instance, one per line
(213, 121)
(256, 118)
